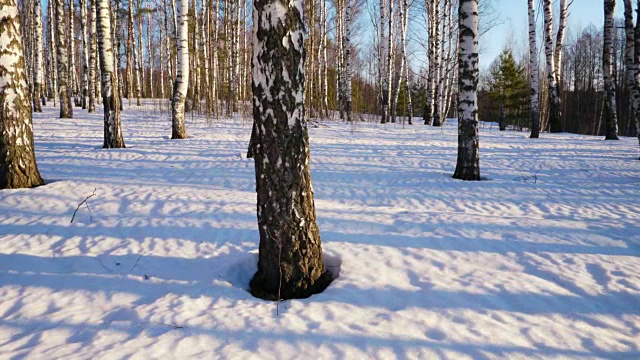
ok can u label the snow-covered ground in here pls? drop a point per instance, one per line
(539, 261)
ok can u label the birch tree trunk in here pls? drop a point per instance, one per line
(129, 51)
(557, 57)
(554, 104)
(290, 259)
(66, 110)
(37, 74)
(181, 83)
(636, 93)
(150, 54)
(382, 61)
(533, 73)
(73, 79)
(92, 56)
(438, 67)
(53, 40)
(112, 128)
(611, 116)
(468, 162)
(404, 15)
(390, 62)
(85, 53)
(18, 168)
(347, 59)
(631, 68)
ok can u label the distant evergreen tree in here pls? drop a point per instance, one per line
(509, 91)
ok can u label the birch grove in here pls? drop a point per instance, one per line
(379, 62)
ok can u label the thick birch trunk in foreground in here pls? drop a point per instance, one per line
(66, 110)
(611, 115)
(18, 168)
(533, 73)
(181, 83)
(468, 163)
(554, 103)
(39, 62)
(112, 129)
(290, 260)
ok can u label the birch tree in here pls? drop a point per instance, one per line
(631, 67)
(66, 110)
(181, 83)
(110, 99)
(533, 72)
(468, 162)
(347, 59)
(91, 81)
(18, 168)
(611, 116)
(290, 258)
(39, 61)
(85, 53)
(636, 88)
(554, 102)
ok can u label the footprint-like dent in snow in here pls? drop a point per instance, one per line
(436, 335)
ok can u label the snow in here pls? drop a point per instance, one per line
(539, 261)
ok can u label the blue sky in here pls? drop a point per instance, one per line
(581, 13)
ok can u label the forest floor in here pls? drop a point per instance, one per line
(541, 260)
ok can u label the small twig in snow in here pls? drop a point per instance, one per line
(87, 204)
(102, 264)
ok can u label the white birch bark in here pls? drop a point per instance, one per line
(150, 54)
(205, 50)
(18, 168)
(73, 78)
(181, 84)
(611, 115)
(53, 42)
(92, 56)
(290, 258)
(38, 73)
(390, 61)
(468, 162)
(557, 57)
(85, 53)
(407, 88)
(554, 104)
(347, 58)
(112, 128)
(636, 93)
(630, 66)
(382, 60)
(66, 110)
(141, 85)
(533, 72)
